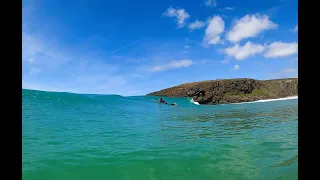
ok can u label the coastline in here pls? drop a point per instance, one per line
(233, 91)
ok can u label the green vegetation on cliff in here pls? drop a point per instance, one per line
(233, 90)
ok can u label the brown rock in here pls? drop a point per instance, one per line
(233, 90)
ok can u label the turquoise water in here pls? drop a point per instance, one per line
(70, 136)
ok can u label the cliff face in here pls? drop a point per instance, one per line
(233, 90)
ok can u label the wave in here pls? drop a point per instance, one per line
(70, 98)
(194, 102)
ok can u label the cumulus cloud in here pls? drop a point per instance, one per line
(281, 49)
(211, 3)
(213, 31)
(242, 52)
(196, 25)
(171, 65)
(180, 15)
(236, 67)
(249, 26)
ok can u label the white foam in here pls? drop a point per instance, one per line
(279, 99)
(194, 102)
(268, 100)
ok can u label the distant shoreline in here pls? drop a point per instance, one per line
(234, 91)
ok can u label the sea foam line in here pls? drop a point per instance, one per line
(268, 100)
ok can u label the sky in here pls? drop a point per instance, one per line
(137, 47)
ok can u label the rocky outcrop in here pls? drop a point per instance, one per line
(233, 90)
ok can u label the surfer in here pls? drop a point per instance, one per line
(164, 102)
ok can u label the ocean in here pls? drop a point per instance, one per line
(68, 136)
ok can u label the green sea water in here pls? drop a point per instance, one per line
(69, 136)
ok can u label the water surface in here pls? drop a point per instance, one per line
(71, 136)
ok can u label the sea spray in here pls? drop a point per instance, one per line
(194, 102)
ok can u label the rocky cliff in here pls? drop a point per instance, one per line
(233, 90)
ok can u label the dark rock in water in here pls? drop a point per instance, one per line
(233, 90)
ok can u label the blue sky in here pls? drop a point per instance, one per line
(136, 47)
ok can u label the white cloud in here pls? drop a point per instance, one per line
(171, 65)
(249, 26)
(211, 3)
(180, 15)
(187, 46)
(242, 52)
(281, 49)
(236, 67)
(229, 8)
(213, 31)
(225, 61)
(196, 25)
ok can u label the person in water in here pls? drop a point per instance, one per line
(162, 101)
